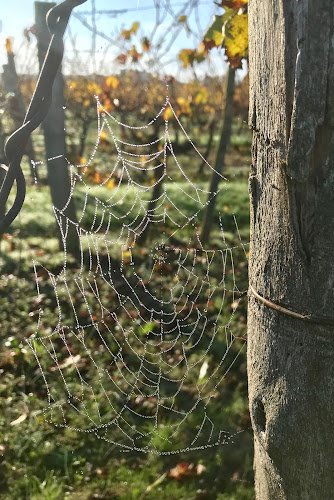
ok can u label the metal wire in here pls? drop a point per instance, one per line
(57, 20)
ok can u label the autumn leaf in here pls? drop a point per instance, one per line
(110, 184)
(97, 178)
(229, 30)
(134, 54)
(218, 38)
(19, 420)
(184, 105)
(182, 19)
(121, 58)
(146, 44)
(215, 27)
(9, 46)
(201, 97)
(236, 39)
(233, 4)
(183, 469)
(82, 160)
(104, 139)
(168, 113)
(127, 34)
(134, 28)
(206, 45)
(112, 81)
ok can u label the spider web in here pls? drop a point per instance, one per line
(150, 339)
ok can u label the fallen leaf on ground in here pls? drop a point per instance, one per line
(19, 420)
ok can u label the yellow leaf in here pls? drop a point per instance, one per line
(168, 113)
(9, 46)
(187, 56)
(217, 37)
(182, 19)
(112, 81)
(134, 28)
(236, 39)
(134, 54)
(110, 184)
(201, 96)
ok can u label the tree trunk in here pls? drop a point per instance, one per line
(83, 137)
(220, 159)
(151, 206)
(54, 135)
(291, 268)
(3, 168)
(211, 128)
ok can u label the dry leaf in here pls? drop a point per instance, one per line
(19, 420)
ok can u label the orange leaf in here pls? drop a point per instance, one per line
(9, 46)
(146, 44)
(168, 113)
(122, 58)
(97, 178)
(110, 184)
(112, 81)
(181, 470)
(233, 4)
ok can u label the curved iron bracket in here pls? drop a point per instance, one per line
(57, 20)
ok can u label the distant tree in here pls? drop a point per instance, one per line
(230, 31)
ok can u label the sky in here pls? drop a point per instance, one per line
(16, 15)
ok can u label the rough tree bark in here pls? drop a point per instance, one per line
(54, 135)
(290, 360)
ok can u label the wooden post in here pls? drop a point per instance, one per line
(54, 134)
(291, 267)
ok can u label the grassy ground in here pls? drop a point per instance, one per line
(40, 461)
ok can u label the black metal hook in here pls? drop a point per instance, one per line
(57, 19)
